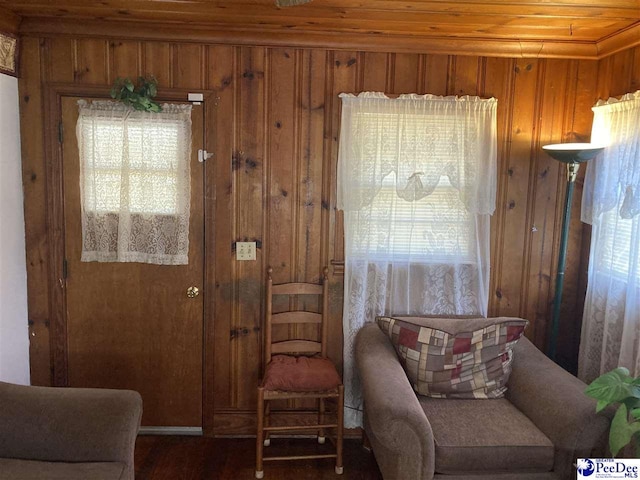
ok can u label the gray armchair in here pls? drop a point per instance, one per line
(535, 433)
(67, 433)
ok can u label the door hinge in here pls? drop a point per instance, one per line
(204, 155)
(60, 132)
(65, 269)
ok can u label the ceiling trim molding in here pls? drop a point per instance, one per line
(9, 21)
(221, 34)
(623, 40)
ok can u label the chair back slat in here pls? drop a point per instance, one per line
(297, 289)
(295, 317)
(296, 346)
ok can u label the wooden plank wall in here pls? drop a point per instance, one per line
(274, 130)
(9, 21)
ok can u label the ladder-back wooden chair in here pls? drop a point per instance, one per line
(298, 369)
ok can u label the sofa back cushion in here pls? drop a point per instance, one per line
(455, 357)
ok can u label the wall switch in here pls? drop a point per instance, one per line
(245, 250)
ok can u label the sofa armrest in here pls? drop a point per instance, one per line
(395, 423)
(555, 401)
(69, 424)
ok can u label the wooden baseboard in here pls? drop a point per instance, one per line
(190, 431)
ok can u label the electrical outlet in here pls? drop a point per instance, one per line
(245, 250)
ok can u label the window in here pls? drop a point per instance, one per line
(416, 181)
(135, 183)
(436, 228)
(619, 255)
(611, 198)
(152, 174)
(611, 203)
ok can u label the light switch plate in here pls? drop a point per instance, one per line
(245, 250)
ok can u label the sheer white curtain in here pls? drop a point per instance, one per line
(611, 203)
(134, 182)
(417, 183)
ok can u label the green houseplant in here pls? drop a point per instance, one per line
(140, 96)
(618, 387)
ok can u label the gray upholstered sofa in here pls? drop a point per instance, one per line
(535, 433)
(67, 433)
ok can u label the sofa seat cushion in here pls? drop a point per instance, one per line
(485, 435)
(11, 469)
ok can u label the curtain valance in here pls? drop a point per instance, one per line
(613, 178)
(419, 139)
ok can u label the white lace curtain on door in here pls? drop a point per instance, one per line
(134, 183)
(611, 203)
(417, 183)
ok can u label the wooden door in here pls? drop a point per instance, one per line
(132, 325)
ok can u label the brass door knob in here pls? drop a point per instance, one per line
(193, 292)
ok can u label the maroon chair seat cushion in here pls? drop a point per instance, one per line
(300, 374)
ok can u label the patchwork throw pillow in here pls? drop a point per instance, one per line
(455, 357)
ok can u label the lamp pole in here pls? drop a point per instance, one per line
(572, 154)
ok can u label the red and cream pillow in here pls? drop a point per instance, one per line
(455, 357)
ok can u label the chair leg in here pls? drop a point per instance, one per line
(267, 420)
(340, 430)
(260, 434)
(321, 410)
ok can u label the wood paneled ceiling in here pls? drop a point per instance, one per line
(556, 28)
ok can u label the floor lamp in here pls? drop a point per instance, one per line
(572, 154)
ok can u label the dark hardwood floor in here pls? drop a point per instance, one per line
(201, 458)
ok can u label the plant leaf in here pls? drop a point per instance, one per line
(138, 97)
(601, 405)
(621, 430)
(620, 434)
(635, 413)
(612, 386)
(632, 402)
(636, 443)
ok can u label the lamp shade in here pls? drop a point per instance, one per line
(572, 152)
